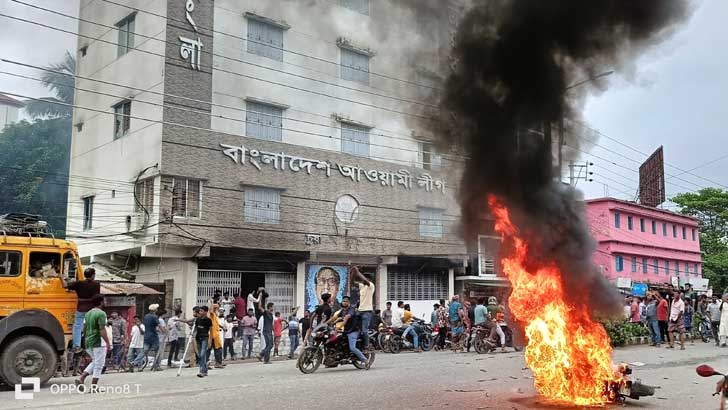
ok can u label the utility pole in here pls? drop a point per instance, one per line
(574, 178)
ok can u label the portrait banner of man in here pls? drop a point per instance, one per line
(321, 279)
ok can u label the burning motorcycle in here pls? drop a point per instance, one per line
(622, 388)
(330, 348)
(721, 387)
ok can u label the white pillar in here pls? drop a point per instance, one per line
(450, 282)
(381, 286)
(189, 283)
(300, 294)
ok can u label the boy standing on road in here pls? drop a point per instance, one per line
(203, 323)
(97, 341)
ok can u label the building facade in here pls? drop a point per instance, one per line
(238, 144)
(643, 244)
(9, 110)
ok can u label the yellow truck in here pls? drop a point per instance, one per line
(36, 312)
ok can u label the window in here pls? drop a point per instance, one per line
(687, 269)
(88, 212)
(642, 224)
(416, 285)
(693, 234)
(354, 139)
(634, 264)
(122, 119)
(262, 205)
(144, 193)
(684, 232)
(126, 35)
(654, 228)
(10, 263)
(360, 6)
(617, 221)
(674, 231)
(629, 223)
(677, 268)
(263, 121)
(44, 265)
(667, 268)
(656, 267)
(265, 39)
(431, 222)
(354, 66)
(695, 268)
(619, 262)
(644, 265)
(664, 229)
(428, 157)
(186, 199)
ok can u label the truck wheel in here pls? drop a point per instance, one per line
(28, 356)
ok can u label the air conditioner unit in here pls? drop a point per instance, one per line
(136, 224)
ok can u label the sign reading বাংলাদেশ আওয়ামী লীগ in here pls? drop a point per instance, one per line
(191, 49)
(282, 161)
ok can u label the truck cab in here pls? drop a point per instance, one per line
(36, 311)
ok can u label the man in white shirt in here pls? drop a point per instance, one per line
(676, 322)
(397, 317)
(136, 345)
(254, 300)
(366, 303)
(227, 303)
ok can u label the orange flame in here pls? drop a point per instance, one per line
(568, 352)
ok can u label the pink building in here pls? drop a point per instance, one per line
(645, 244)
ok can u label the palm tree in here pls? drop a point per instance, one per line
(60, 79)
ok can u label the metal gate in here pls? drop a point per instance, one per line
(209, 280)
(281, 288)
(417, 286)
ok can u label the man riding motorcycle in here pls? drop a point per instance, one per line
(347, 319)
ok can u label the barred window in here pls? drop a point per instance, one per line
(354, 139)
(126, 35)
(122, 118)
(431, 222)
(354, 66)
(186, 199)
(144, 192)
(264, 121)
(412, 286)
(262, 205)
(265, 39)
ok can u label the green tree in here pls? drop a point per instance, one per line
(60, 79)
(710, 207)
(34, 157)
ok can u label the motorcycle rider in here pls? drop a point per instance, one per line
(497, 315)
(409, 327)
(321, 315)
(351, 321)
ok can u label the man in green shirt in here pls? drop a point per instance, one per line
(97, 341)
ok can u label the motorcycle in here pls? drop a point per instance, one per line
(705, 330)
(721, 387)
(622, 389)
(330, 348)
(395, 343)
(483, 343)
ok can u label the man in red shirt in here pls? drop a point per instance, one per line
(277, 332)
(240, 310)
(634, 310)
(662, 315)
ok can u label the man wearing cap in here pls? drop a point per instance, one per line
(85, 290)
(351, 328)
(152, 327)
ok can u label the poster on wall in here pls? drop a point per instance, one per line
(324, 279)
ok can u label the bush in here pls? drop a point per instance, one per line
(620, 332)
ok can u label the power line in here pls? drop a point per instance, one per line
(199, 111)
(211, 30)
(231, 72)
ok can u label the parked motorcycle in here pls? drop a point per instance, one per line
(483, 343)
(721, 387)
(330, 348)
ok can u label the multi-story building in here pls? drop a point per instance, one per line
(9, 110)
(644, 244)
(238, 144)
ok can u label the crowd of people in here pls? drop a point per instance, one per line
(672, 315)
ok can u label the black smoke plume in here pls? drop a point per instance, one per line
(506, 97)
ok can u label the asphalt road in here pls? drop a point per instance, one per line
(433, 380)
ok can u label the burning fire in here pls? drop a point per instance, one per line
(568, 352)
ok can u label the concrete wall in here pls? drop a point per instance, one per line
(655, 248)
(100, 165)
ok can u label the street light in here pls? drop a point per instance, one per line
(561, 124)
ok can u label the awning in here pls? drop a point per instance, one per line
(126, 288)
